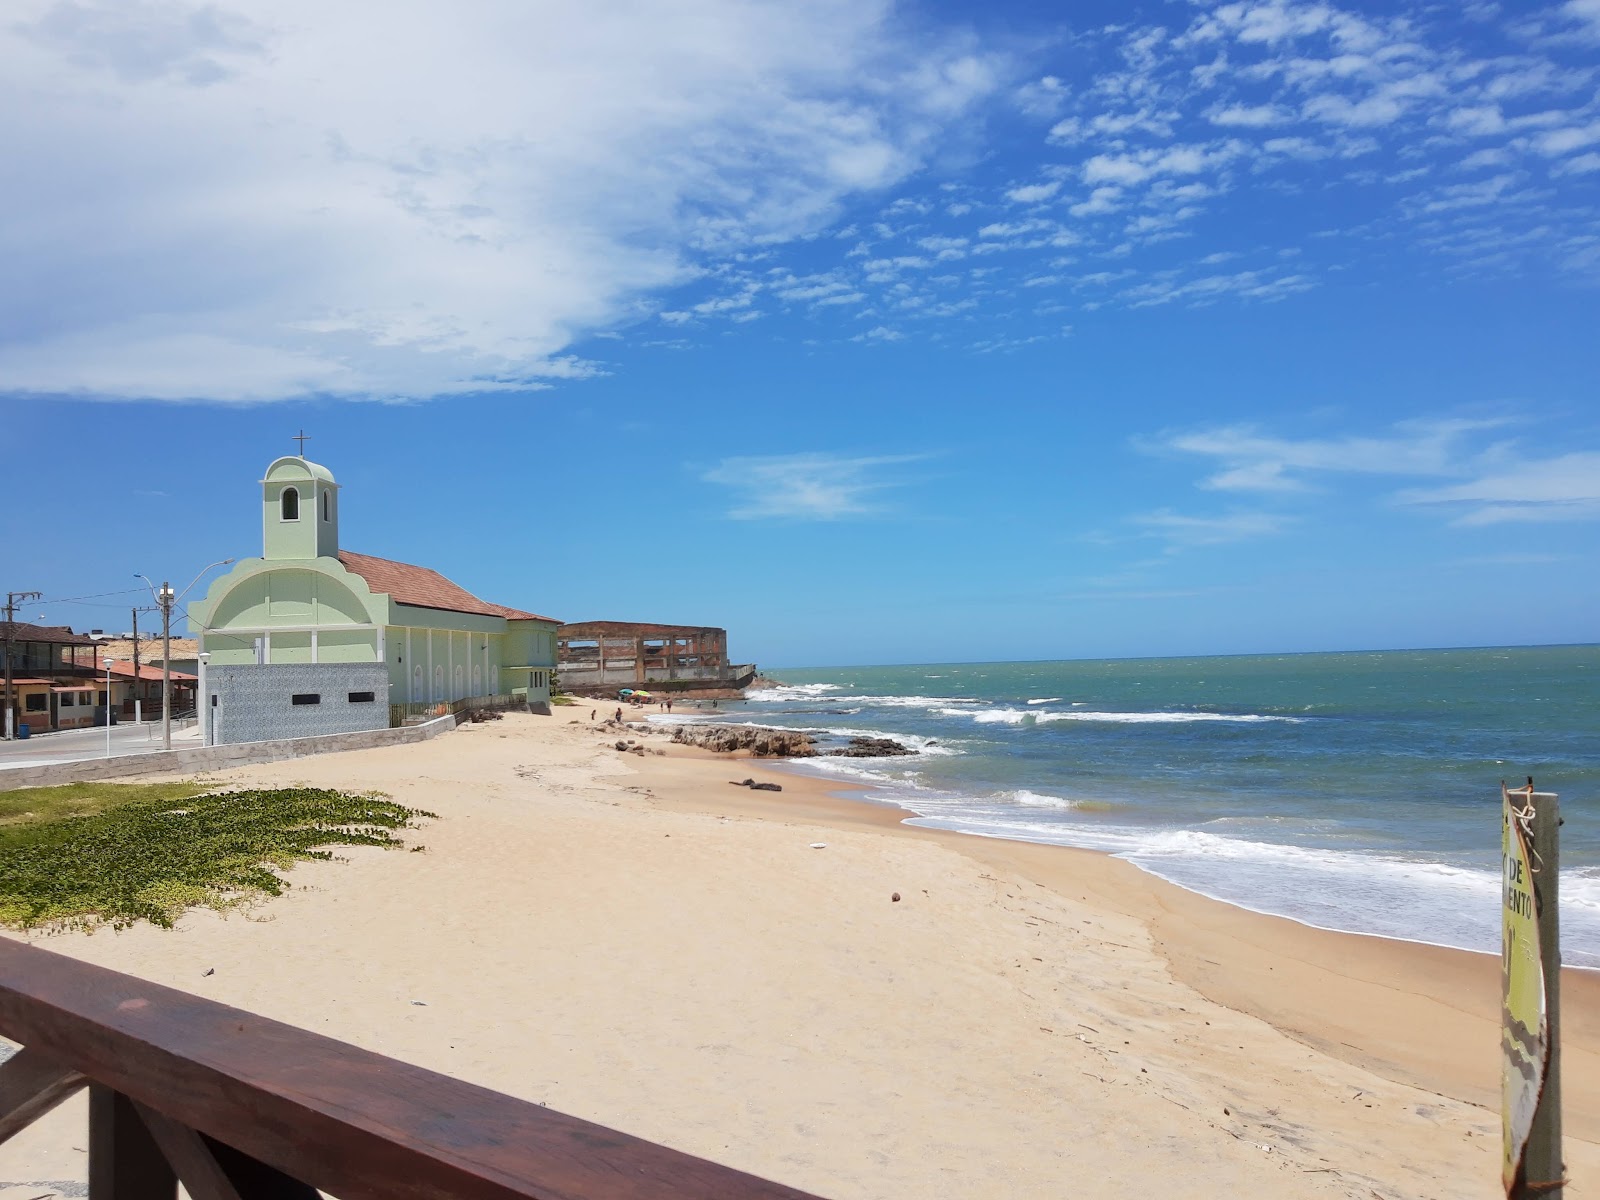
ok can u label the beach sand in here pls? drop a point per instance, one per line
(631, 940)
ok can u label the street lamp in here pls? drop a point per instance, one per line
(109, 661)
(202, 702)
(166, 599)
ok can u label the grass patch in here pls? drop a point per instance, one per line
(83, 799)
(152, 851)
(562, 700)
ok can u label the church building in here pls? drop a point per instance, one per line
(312, 639)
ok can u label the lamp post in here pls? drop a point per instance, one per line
(202, 702)
(166, 599)
(109, 661)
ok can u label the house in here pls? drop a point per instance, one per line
(145, 688)
(64, 664)
(310, 638)
(185, 651)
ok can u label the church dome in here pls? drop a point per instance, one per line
(291, 468)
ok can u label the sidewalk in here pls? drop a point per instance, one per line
(76, 745)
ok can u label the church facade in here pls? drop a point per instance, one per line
(311, 639)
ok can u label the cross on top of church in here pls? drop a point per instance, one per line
(302, 437)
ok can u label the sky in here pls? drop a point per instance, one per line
(923, 332)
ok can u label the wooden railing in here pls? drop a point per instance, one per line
(238, 1107)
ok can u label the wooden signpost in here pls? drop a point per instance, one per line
(1530, 974)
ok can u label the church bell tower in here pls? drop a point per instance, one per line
(299, 510)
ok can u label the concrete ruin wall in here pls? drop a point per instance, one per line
(612, 654)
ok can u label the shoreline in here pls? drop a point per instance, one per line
(631, 940)
(863, 796)
(1458, 985)
(894, 795)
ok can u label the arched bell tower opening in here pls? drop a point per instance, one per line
(299, 510)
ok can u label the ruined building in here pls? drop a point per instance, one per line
(598, 657)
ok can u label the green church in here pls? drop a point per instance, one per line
(311, 639)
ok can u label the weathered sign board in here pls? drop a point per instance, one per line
(1530, 966)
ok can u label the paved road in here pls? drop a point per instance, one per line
(72, 745)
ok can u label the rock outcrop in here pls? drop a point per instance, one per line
(871, 747)
(762, 743)
(780, 743)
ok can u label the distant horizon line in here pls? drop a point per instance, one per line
(991, 662)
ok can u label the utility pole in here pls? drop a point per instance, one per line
(165, 600)
(137, 706)
(12, 599)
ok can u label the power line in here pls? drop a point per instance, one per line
(93, 596)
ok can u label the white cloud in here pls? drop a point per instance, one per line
(1254, 461)
(1043, 97)
(1564, 141)
(379, 200)
(1250, 116)
(1034, 193)
(1101, 200)
(1206, 289)
(1563, 488)
(1182, 532)
(1580, 164)
(817, 486)
(1364, 113)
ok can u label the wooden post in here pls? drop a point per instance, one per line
(1543, 1171)
(124, 1161)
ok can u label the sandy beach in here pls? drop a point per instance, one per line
(629, 939)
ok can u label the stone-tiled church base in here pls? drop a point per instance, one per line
(255, 703)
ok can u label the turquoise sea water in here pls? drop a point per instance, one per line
(1354, 791)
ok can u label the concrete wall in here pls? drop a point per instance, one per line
(255, 703)
(216, 758)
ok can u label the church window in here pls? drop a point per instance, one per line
(306, 698)
(290, 504)
(325, 510)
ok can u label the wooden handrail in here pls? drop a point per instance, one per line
(335, 1117)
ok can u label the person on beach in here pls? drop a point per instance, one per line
(619, 714)
(669, 705)
(591, 713)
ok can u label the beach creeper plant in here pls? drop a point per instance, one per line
(149, 857)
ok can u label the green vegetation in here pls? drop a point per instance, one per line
(86, 854)
(561, 698)
(83, 799)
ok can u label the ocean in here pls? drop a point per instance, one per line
(1351, 791)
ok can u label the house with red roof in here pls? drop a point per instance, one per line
(311, 638)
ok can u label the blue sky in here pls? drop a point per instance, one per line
(874, 332)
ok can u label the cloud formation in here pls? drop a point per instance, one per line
(1494, 482)
(815, 486)
(241, 201)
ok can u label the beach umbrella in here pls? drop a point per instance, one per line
(625, 692)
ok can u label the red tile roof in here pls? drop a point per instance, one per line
(56, 635)
(425, 588)
(146, 671)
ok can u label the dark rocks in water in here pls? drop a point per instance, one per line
(754, 786)
(762, 743)
(871, 747)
